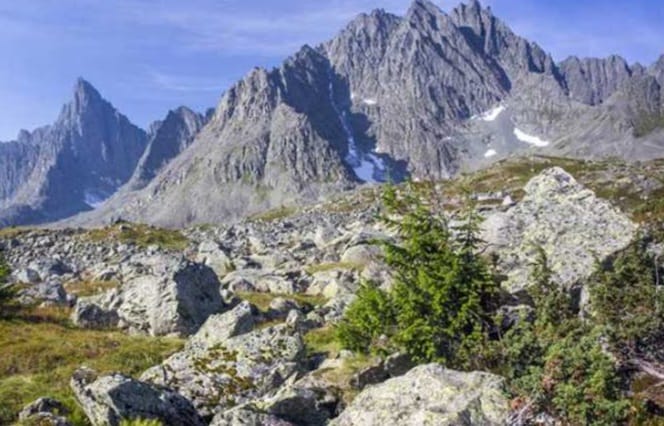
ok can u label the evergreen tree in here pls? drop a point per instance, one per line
(442, 287)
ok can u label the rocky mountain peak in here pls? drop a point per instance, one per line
(85, 97)
(168, 138)
(657, 70)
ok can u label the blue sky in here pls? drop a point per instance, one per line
(148, 56)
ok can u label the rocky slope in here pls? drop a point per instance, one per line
(253, 363)
(428, 94)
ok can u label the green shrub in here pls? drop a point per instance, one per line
(371, 316)
(627, 297)
(556, 362)
(438, 308)
(7, 291)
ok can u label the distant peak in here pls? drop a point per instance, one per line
(84, 91)
(424, 5)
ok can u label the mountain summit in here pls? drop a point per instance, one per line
(427, 95)
(71, 165)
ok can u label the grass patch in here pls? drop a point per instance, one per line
(262, 300)
(274, 214)
(141, 235)
(90, 288)
(15, 231)
(326, 267)
(323, 341)
(40, 349)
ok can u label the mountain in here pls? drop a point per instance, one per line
(427, 95)
(166, 140)
(70, 166)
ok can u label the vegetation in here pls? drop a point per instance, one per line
(555, 362)
(141, 235)
(439, 307)
(443, 307)
(40, 349)
(86, 288)
(6, 291)
(274, 214)
(325, 267)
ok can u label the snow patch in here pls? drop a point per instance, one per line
(530, 139)
(370, 102)
(367, 166)
(490, 153)
(492, 114)
(93, 199)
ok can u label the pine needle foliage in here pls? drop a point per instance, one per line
(437, 309)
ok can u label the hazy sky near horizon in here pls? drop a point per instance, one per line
(149, 56)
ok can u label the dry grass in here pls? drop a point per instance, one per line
(262, 300)
(90, 288)
(141, 235)
(274, 214)
(40, 349)
(325, 267)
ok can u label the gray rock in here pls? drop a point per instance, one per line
(46, 419)
(50, 292)
(221, 327)
(43, 406)
(247, 416)
(571, 225)
(211, 254)
(301, 405)
(108, 400)
(430, 395)
(234, 371)
(27, 275)
(165, 296)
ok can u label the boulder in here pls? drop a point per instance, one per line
(44, 411)
(233, 371)
(247, 416)
(168, 296)
(49, 292)
(301, 405)
(571, 225)
(362, 254)
(213, 255)
(27, 276)
(430, 395)
(221, 327)
(108, 400)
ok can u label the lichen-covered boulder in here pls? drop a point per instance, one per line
(247, 416)
(164, 296)
(108, 400)
(44, 412)
(221, 374)
(572, 225)
(430, 395)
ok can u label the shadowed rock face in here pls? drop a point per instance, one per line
(592, 80)
(70, 166)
